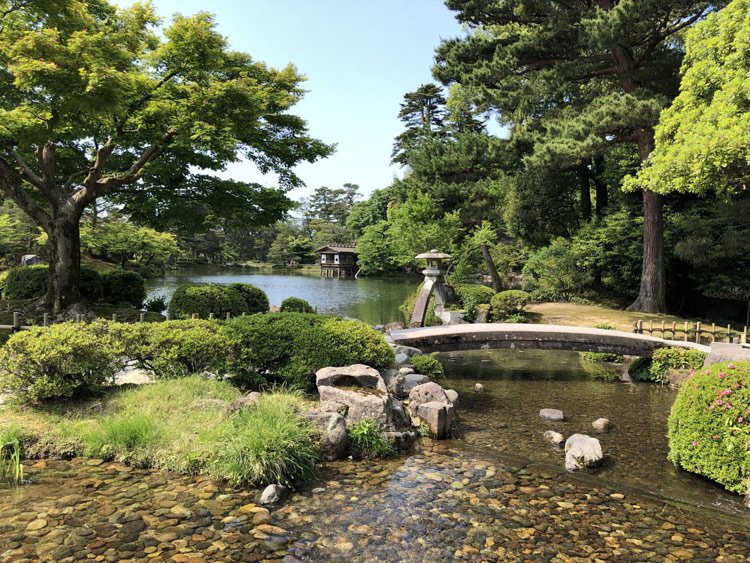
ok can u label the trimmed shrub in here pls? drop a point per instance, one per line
(293, 346)
(295, 305)
(639, 369)
(256, 300)
(709, 426)
(601, 357)
(63, 360)
(471, 295)
(555, 273)
(91, 285)
(155, 304)
(177, 348)
(367, 440)
(26, 282)
(428, 365)
(666, 359)
(123, 286)
(508, 303)
(204, 300)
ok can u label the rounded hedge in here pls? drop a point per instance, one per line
(508, 304)
(123, 286)
(293, 346)
(428, 365)
(204, 300)
(63, 360)
(471, 295)
(256, 300)
(91, 285)
(657, 367)
(709, 426)
(27, 282)
(295, 305)
(177, 348)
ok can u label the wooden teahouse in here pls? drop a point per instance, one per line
(338, 261)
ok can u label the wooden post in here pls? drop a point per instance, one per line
(635, 327)
(195, 316)
(16, 321)
(674, 330)
(229, 315)
(640, 327)
(210, 316)
(698, 333)
(663, 331)
(686, 331)
(166, 316)
(45, 319)
(713, 332)
(743, 339)
(142, 318)
(114, 317)
(650, 327)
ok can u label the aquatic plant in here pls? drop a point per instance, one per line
(11, 468)
(367, 440)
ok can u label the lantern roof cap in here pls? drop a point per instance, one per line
(433, 254)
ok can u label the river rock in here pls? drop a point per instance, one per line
(408, 350)
(479, 388)
(331, 427)
(452, 396)
(402, 359)
(357, 375)
(394, 326)
(426, 393)
(555, 415)
(414, 379)
(395, 383)
(438, 416)
(581, 452)
(554, 438)
(272, 494)
(601, 424)
(406, 370)
(245, 402)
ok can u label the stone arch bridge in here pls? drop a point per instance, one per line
(525, 336)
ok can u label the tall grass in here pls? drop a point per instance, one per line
(120, 434)
(367, 440)
(11, 468)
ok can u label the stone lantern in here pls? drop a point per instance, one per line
(434, 280)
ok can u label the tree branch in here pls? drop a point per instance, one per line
(11, 184)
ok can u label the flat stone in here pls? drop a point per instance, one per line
(406, 370)
(554, 438)
(348, 376)
(555, 415)
(37, 524)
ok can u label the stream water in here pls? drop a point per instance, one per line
(496, 492)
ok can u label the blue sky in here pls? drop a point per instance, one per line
(360, 58)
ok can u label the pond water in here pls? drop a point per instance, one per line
(496, 492)
(372, 300)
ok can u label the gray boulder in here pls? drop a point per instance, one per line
(426, 393)
(357, 375)
(395, 383)
(272, 494)
(402, 359)
(331, 429)
(554, 438)
(437, 416)
(601, 425)
(408, 350)
(479, 388)
(556, 415)
(452, 396)
(582, 452)
(414, 379)
(30, 260)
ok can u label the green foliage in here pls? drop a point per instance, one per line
(598, 370)
(640, 369)
(204, 300)
(553, 273)
(267, 444)
(11, 468)
(91, 285)
(156, 304)
(176, 348)
(407, 308)
(709, 427)
(26, 282)
(256, 300)
(665, 359)
(367, 440)
(118, 240)
(119, 434)
(428, 365)
(601, 357)
(63, 360)
(508, 303)
(702, 140)
(471, 295)
(123, 287)
(293, 346)
(295, 305)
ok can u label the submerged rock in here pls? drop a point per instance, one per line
(331, 427)
(555, 415)
(581, 452)
(602, 425)
(554, 438)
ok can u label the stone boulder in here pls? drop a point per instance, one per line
(357, 375)
(331, 428)
(554, 438)
(406, 370)
(414, 379)
(272, 494)
(402, 359)
(426, 393)
(555, 415)
(479, 388)
(452, 396)
(582, 452)
(395, 383)
(601, 425)
(408, 350)
(437, 416)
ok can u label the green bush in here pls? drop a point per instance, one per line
(155, 304)
(709, 426)
(91, 285)
(555, 273)
(256, 300)
(640, 369)
(407, 308)
(123, 286)
(60, 361)
(601, 357)
(471, 295)
(665, 359)
(508, 303)
(26, 282)
(428, 365)
(293, 346)
(367, 440)
(295, 305)
(204, 300)
(176, 348)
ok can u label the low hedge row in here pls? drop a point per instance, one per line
(206, 299)
(657, 367)
(70, 359)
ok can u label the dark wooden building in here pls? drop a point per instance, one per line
(338, 261)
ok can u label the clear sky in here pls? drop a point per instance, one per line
(360, 57)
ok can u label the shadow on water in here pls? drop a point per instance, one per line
(505, 420)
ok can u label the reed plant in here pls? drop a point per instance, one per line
(11, 468)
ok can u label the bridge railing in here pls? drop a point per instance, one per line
(692, 332)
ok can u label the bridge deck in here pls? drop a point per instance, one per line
(551, 337)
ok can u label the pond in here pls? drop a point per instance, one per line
(372, 300)
(496, 492)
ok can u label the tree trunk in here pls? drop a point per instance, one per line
(65, 262)
(652, 297)
(602, 195)
(583, 179)
(494, 276)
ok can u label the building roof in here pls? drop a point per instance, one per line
(339, 249)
